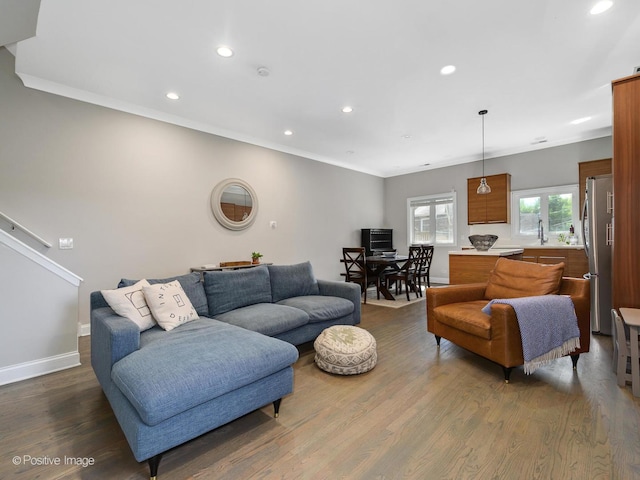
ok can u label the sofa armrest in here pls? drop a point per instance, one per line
(112, 337)
(348, 290)
(469, 292)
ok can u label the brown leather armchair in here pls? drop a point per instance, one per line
(454, 312)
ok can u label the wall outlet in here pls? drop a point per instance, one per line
(273, 224)
(65, 243)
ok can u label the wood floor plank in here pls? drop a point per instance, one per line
(422, 412)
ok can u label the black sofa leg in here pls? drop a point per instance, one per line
(154, 463)
(276, 408)
(507, 373)
(574, 359)
(438, 340)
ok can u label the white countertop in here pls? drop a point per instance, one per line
(546, 245)
(493, 252)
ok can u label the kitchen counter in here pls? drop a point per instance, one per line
(546, 245)
(492, 252)
(472, 266)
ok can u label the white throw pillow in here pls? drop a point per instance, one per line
(169, 304)
(129, 302)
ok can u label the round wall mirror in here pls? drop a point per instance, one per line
(234, 204)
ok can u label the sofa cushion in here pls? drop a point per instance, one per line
(266, 318)
(191, 284)
(187, 367)
(292, 281)
(320, 307)
(169, 304)
(514, 278)
(231, 289)
(129, 302)
(466, 316)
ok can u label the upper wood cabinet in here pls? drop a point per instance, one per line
(626, 192)
(592, 169)
(494, 207)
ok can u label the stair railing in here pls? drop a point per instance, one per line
(15, 225)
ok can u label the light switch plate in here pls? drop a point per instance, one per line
(65, 243)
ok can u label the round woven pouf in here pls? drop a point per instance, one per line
(345, 350)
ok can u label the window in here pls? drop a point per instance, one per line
(432, 219)
(553, 208)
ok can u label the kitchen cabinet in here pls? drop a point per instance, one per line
(471, 266)
(494, 207)
(626, 192)
(575, 260)
(592, 169)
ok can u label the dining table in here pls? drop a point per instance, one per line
(378, 265)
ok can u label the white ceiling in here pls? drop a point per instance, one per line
(535, 65)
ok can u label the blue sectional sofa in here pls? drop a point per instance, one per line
(168, 387)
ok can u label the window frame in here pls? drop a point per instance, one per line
(544, 193)
(452, 195)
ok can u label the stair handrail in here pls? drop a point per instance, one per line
(24, 229)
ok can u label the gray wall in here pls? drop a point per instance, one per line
(541, 168)
(134, 193)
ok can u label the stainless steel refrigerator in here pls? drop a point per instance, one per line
(597, 234)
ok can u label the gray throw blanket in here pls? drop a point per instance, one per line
(548, 327)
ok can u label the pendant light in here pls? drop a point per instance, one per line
(483, 188)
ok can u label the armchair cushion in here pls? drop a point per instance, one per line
(513, 279)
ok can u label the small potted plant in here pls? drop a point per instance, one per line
(255, 257)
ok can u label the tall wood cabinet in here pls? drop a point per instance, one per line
(494, 207)
(626, 192)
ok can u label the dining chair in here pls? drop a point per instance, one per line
(355, 264)
(422, 272)
(406, 274)
(622, 347)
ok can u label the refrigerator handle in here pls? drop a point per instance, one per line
(584, 226)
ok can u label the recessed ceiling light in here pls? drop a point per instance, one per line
(601, 7)
(347, 109)
(578, 121)
(406, 136)
(448, 70)
(288, 132)
(173, 96)
(224, 51)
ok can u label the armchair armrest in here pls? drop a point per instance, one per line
(469, 292)
(580, 292)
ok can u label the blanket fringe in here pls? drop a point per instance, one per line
(566, 348)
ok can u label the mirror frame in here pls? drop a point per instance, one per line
(216, 196)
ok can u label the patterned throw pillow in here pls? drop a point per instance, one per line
(169, 304)
(129, 302)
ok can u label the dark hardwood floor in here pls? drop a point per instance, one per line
(421, 413)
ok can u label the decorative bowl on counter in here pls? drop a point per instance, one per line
(482, 243)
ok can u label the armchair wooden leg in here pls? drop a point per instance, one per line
(507, 373)
(574, 359)
(438, 340)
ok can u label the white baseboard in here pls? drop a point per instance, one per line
(35, 368)
(84, 329)
(444, 280)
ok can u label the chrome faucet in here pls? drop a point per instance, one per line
(541, 232)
